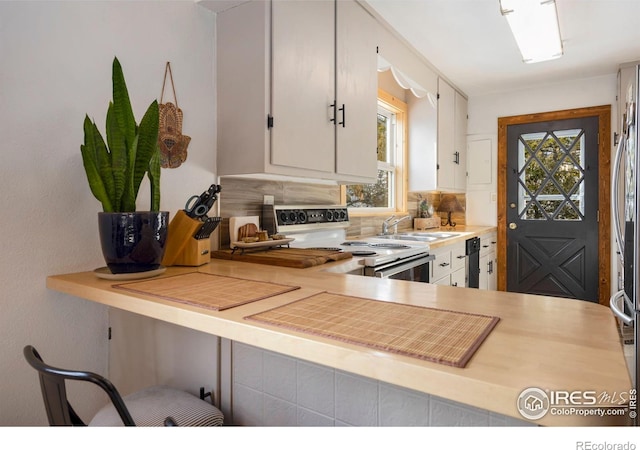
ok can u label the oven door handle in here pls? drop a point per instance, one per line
(395, 269)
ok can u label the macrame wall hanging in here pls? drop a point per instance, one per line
(173, 144)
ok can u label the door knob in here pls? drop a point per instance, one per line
(513, 226)
(512, 205)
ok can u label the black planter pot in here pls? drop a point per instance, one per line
(133, 241)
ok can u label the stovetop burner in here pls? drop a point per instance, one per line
(389, 245)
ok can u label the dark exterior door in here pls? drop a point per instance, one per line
(552, 208)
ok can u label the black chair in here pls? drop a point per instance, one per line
(154, 406)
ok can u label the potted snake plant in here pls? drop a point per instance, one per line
(132, 241)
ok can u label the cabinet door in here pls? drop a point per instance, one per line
(446, 140)
(444, 281)
(303, 84)
(243, 88)
(458, 256)
(441, 265)
(488, 243)
(356, 91)
(452, 138)
(459, 278)
(460, 142)
(492, 279)
(484, 272)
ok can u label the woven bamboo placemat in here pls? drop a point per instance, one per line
(441, 336)
(206, 290)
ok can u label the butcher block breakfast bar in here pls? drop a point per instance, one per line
(523, 341)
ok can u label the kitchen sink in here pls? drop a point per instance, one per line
(420, 236)
(437, 235)
(407, 237)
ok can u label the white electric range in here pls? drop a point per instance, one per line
(322, 226)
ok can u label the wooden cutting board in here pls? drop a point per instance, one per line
(284, 257)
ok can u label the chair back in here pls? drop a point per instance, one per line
(54, 393)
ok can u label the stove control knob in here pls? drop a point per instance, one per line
(329, 215)
(292, 217)
(302, 217)
(282, 218)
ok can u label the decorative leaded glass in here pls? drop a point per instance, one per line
(551, 175)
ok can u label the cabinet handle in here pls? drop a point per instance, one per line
(344, 120)
(333, 106)
(455, 157)
(444, 264)
(461, 256)
(455, 284)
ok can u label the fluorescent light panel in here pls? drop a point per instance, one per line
(534, 24)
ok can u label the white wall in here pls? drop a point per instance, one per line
(55, 66)
(483, 124)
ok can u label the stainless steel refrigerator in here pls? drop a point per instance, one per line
(626, 220)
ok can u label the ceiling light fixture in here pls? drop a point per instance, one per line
(534, 24)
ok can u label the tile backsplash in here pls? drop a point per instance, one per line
(244, 197)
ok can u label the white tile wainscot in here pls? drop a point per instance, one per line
(269, 389)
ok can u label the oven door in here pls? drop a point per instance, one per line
(410, 269)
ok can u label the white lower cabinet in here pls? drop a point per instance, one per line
(488, 262)
(459, 278)
(448, 268)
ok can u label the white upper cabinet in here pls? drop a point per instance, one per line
(438, 141)
(356, 92)
(423, 144)
(452, 139)
(303, 85)
(297, 90)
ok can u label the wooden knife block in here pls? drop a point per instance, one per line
(196, 253)
(182, 248)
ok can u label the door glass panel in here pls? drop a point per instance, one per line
(534, 212)
(551, 175)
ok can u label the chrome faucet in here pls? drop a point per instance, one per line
(387, 223)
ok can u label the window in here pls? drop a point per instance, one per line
(551, 175)
(388, 193)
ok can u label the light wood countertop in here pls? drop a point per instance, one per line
(464, 232)
(544, 342)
